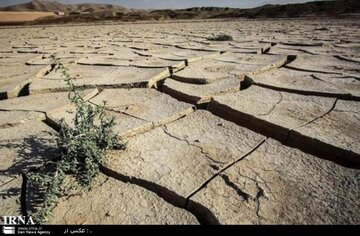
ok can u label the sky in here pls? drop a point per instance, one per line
(160, 4)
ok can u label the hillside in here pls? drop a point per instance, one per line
(318, 8)
(53, 6)
(101, 12)
(9, 17)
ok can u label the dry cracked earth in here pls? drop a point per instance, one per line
(263, 129)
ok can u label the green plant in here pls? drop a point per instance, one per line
(220, 37)
(82, 147)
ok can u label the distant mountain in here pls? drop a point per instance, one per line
(317, 8)
(101, 12)
(53, 6)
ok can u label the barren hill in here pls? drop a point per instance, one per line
(317, 8)
(53, 6)
(101, 12)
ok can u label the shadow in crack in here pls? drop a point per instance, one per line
(19, 157)
(10, 192)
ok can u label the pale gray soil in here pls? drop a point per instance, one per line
(263, 129)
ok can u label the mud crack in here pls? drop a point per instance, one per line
(202, 214)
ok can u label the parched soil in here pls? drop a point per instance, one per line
(263, 129)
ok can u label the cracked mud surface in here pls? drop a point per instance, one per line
(113, 202)
(263, 129)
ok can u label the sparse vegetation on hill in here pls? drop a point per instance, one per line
(100, 12)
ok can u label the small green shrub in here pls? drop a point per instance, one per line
(221, 37)
(82, 148)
